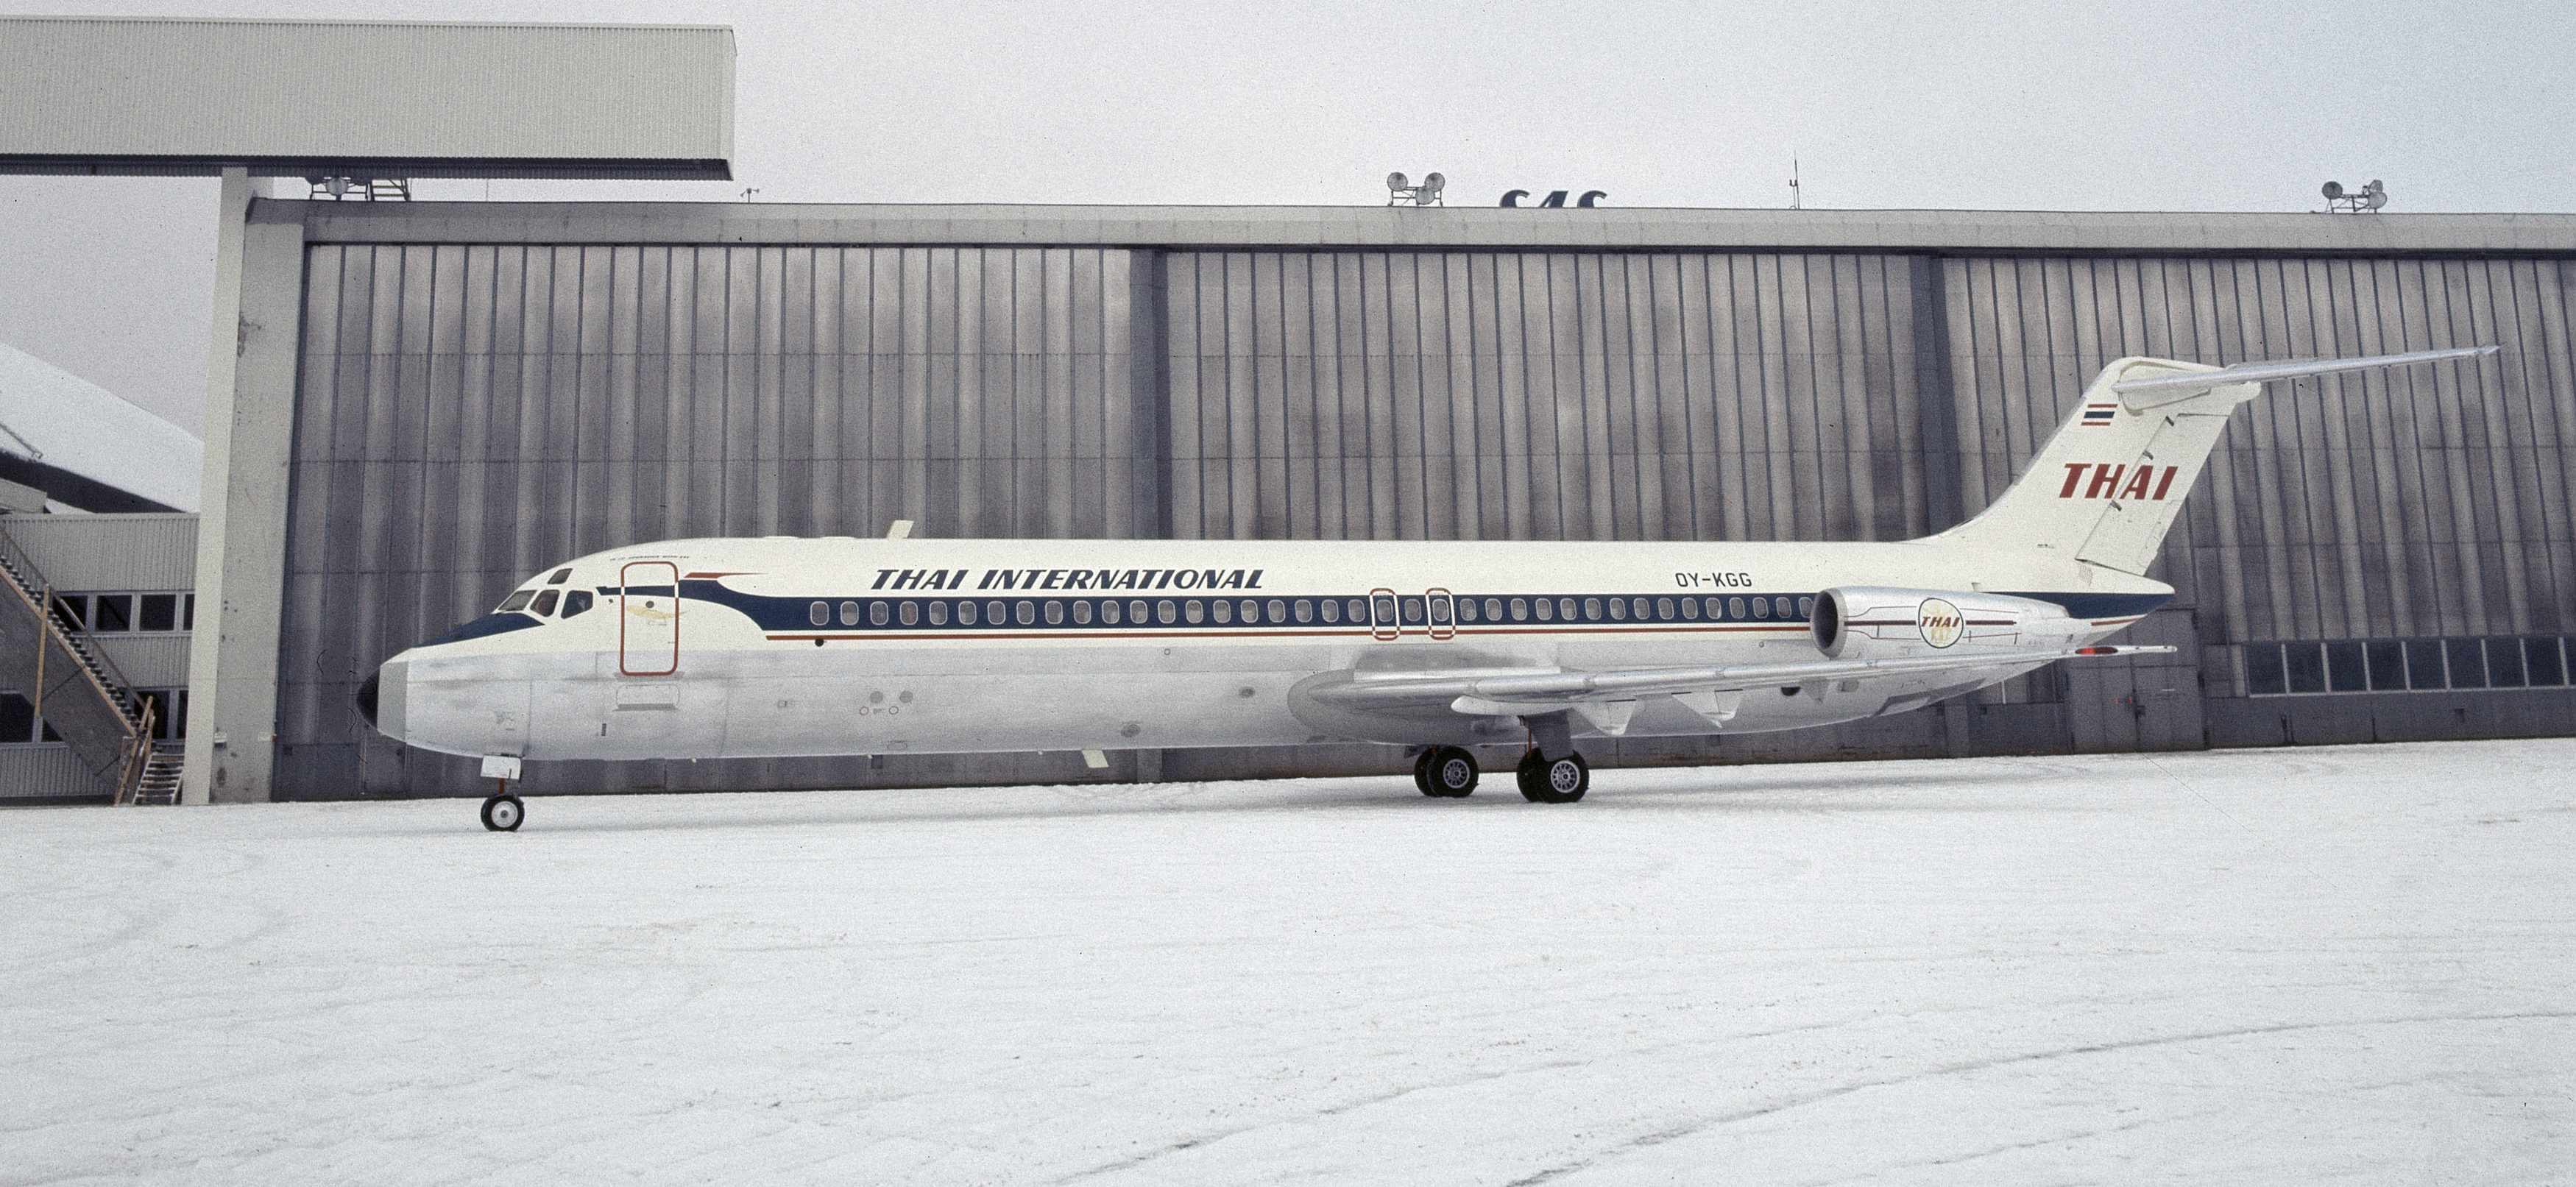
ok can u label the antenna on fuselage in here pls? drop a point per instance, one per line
(899, 529)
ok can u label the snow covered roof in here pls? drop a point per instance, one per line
(85, 447)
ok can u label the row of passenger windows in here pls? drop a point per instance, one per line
(122, 613)
(1387, 610)
(2396, 665)
(19, 724)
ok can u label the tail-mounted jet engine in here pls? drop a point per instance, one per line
(1869, 622)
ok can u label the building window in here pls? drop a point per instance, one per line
(2400, 665)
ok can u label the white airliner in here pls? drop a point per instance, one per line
(782, 647)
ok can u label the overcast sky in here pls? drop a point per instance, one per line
(2180, 105)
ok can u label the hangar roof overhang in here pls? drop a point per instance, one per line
(1437, 228)
(181, 97)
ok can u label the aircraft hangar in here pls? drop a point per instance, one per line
(434, 400)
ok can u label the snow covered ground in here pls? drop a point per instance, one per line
(2248, 967)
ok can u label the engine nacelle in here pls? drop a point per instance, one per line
(1871, 622)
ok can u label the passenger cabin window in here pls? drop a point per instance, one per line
(545, 606)
(820, 614)
(516, 601)
(576, 601)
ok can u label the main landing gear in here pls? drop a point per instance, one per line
(1549, 773)
(1547, 780)
(1552, 773)
(1445, 772)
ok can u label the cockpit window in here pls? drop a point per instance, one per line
(558, 578)
(545, 606)
(575, 602)
(515, 601)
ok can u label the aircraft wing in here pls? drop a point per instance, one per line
(1608, 698)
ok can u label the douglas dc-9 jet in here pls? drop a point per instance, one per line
(784, 647)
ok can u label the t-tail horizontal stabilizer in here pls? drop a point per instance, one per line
(2106, 488)
(2158, 392)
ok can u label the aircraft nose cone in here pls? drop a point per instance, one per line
(366, 697)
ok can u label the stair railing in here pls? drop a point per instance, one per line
(19, 570)
(138, 753)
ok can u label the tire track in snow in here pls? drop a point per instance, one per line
(1676, 1133)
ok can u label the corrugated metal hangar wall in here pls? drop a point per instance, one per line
(482, 392)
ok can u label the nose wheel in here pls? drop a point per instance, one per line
(502, 813)
(1546, 780)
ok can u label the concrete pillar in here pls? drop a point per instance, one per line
(241, 530)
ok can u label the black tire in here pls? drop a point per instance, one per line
(502, 813)
(1554, 781)
(1531, 775)
(1451, 774)
(1568, 778)
(1422, 772)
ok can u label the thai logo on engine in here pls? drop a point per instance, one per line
(1939, 621)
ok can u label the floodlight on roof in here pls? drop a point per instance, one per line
(2361, 201)
(1400, 191)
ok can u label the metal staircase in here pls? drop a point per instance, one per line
(77, 690)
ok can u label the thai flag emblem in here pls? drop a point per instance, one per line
(2098, 415)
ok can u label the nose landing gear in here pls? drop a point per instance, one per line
(502, 813)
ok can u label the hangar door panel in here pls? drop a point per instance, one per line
(470, 414)
(2140, 703)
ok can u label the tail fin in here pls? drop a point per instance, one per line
(2107, 486)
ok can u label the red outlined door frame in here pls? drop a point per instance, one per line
(1435, 601)
(647, 636)
(1383, 617)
